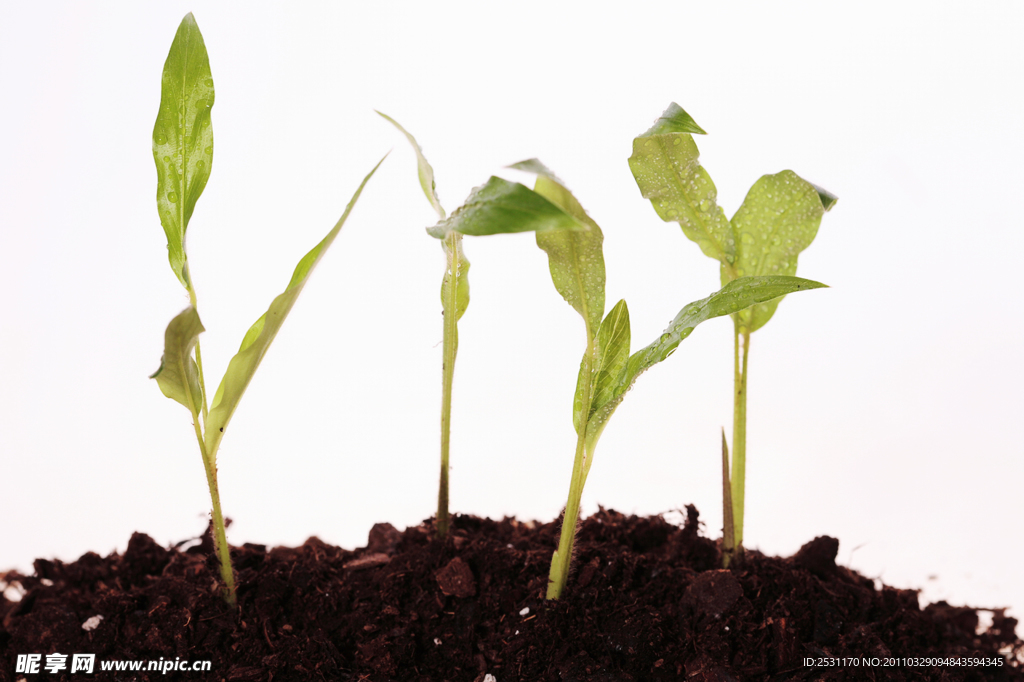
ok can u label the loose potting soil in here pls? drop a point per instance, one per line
(647, 600)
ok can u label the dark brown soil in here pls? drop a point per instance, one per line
(646, 601)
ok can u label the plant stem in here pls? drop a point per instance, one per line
(220, 540)
(562, 558)
(451, 346)
(739, 429)
(199, 354)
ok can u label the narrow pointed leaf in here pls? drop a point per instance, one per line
(426, 172)
(733, 297)
(183, 139)
(728, 524)
(666, 166)
(778, 219)
(612, 353)
(259, 337)
(500, 207)
(178, 375)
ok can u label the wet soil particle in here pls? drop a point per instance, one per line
(647, 600)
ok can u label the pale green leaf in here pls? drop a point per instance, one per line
(178, 375)
(500, 207)
(733, 297)
(457, 271)
(674, 120)
(183, 139)
(611, 350)
(426, 172)
(778, 219)
(666, 166)
(259, 337)
(575, 257)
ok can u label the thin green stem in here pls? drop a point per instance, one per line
(451, 345)
(741, 349)
(199, 354)
(562, 559)
(220, 540)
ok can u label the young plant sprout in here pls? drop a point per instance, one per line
(607, 370)
(455, 285)
(778, 219)
(183, 151)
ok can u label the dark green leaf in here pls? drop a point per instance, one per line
(500, 207)
(183, 139)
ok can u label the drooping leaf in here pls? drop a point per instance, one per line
(778, 219)
(257, 340)
(178, 375)
(500, 207)
(183, 139)
(733, 297)
(666, 166)
(426, 172)
(575, 257)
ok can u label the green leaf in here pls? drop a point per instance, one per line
(666, 168)
(183, 139)
(259, 337)
(458, 270)
(778, 219)
(178, 375)
(733, 297)
(426, 172)
(500, 207)
(674, 120)
(575, 257)
(612, 353)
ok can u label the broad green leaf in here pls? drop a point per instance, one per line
(500, 207)
(733, 297)
(458, 270)
(426, 172)
(666, 166)
(259, 337)
(778, 219)
(183, 139)
(178, 375)
(575, 257)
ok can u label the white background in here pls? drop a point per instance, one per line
(885, 411)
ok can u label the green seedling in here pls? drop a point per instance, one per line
(183, 151)
(778, 219)
(498, 207)
(608, 370)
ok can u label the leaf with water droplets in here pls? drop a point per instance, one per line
(178, 375)
(733, 297)
(575, 257)
(779, 218)
(257, 340)
(665, 164)
(183, 139)
(500, 207)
